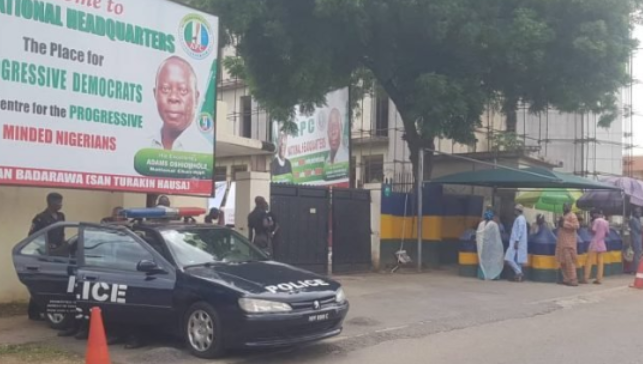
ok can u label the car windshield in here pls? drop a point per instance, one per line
(193, 247)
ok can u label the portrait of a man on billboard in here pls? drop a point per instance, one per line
(177, 97)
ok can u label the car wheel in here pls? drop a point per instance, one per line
(202, 331)
(59, 321)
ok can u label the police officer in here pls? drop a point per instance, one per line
(260, 226)
(213, 217)
(49, 216)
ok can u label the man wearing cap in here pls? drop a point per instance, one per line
(516, 255)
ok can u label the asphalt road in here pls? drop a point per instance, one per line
(438, 318)
(603, 327)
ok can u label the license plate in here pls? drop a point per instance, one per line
(318, 318)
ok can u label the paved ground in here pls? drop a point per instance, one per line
(439, 317)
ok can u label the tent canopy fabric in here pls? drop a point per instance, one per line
(611, 203)
(523, 178)
(550, 200)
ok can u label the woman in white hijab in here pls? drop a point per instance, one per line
(490, 249)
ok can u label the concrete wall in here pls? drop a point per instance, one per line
(20, 205)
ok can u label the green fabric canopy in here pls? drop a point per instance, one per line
(523, 178)
(550, 200)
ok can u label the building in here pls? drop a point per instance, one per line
(572, 143)
(634, 167)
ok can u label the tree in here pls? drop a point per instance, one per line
(570, 55)
(441, 61)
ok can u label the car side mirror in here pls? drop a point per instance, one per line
(149, 267)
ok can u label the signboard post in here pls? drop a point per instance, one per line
(116, 95)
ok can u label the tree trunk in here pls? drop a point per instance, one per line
(414, 148)
(510, 110)
(413, 139)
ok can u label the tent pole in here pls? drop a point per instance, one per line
(420, 184)
(624, 212)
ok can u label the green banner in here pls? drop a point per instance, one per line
(173, 164)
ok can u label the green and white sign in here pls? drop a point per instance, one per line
(115, 95)
(319, 153)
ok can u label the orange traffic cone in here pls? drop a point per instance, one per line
(638, 280)
(97, 352)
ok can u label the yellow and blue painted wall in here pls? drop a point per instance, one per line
(444, 218)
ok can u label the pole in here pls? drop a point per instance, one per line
(623, 197)
(420, 184)
(329, 267)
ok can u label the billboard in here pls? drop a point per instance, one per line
(318, 154)
(115, 95)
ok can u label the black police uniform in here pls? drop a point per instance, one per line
(259, 230)
(56, 239)
(45, 219)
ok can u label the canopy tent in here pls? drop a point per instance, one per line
(611, 202)
(521, 178)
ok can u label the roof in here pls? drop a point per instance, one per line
(491, 156)
(523, 178)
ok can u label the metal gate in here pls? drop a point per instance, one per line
(303, 214)
(351, 230)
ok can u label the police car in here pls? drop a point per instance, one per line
(207, 284)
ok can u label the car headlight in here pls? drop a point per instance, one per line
(340, 296)
(255, 306)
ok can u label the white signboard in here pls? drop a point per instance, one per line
(112, 95)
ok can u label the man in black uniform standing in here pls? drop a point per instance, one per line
(50, 216)
(260, 225)
(56, 238)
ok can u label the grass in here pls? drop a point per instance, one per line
(36, 354)
(13, 309)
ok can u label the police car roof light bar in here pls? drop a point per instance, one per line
(162, 212)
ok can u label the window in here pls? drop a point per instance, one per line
(36, 247)
(62, 242)
(113, 249)
(373, 169)
(354, 172)
(246, 116)
(201, 246)
(238, 169)
(220, 174)
(381, 114)
(152, 239)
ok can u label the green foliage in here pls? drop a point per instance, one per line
(506, 141)
(440, 61)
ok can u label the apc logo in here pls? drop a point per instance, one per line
(196, 36)
(206, 123)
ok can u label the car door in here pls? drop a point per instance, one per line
(110, 279)
(49, 273)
